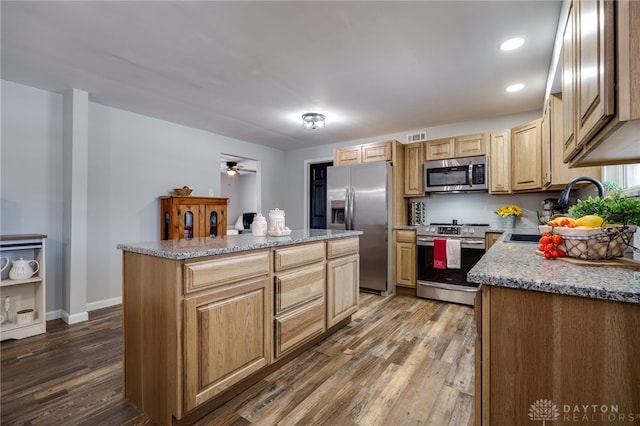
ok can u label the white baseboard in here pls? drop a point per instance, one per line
(75, 318)
(83, 316)
(104, 303)
(51, 315)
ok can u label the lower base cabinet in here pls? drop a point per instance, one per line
(197, 329)
(568, 358)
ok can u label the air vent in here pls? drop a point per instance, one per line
(417, 137)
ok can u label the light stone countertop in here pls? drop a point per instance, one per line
(206, 246)
(516, 265)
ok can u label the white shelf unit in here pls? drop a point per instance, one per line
(24, 294)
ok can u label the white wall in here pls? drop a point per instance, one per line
(297, 182)
(242, 191)
(133, 160)
(31, 174)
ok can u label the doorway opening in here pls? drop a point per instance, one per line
(240, 183)
(318, 195)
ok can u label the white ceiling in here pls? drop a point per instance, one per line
(248, 70)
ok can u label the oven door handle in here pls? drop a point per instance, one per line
(457, 288)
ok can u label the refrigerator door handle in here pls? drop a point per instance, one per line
(347, 212)
(351, 207)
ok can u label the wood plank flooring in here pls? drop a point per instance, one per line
(401, 361)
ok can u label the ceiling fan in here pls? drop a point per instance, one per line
(233, 168)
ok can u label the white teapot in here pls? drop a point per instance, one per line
(21, 269)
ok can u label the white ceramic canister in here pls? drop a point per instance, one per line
(25, 316)
(259, 225)
(276, 220)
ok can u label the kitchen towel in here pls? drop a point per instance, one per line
(453, 254)
(439, 253)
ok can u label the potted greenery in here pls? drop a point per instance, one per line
(614, 209)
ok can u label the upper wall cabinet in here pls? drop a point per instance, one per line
(600, 56)
(500, 162)
(413, 169)
(526, 156)
(558, 173)
(460, 146)
(367, 153)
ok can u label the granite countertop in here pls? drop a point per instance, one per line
(206, 246)
(516, 265)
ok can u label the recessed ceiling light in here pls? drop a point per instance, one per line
(512, 44)
(515, 87)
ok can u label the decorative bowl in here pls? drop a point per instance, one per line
(182, 191)
(279, 233)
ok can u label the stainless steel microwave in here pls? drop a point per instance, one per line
(456, 174)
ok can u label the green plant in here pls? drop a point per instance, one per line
(615, 208)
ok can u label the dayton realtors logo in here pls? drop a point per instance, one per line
(546, 410)
(543, 409)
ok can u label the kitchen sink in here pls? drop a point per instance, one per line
(522, 238)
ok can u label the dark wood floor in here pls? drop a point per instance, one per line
(401, 361)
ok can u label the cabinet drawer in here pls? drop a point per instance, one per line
(299, 326)
(342, 246)
(290, 257)
(405, 236)
(299, 286)
(209, 273)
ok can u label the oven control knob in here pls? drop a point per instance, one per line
(433, 229)
(472, 231)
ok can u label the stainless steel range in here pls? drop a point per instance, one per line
(449, 283)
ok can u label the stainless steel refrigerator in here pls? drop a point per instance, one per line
(359, 198)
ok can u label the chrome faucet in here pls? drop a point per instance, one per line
(563, 201)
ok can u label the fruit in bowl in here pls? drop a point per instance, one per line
(185, 190)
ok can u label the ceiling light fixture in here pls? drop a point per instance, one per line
(313, 120)
(515, 88)
(512, 44)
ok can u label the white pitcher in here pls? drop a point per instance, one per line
(21, 269)
(6, 264)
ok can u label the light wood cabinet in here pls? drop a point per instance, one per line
(455, 147)
(192, 217)
(343, 280)
(500, 162)
(196, 331)
(471, 145)
(526, 156)
(566, 349)
(601, 62)
(227, 337)
(490, 239)
(559, 172)
(405, 257)
(299, 295)
(23, 294)
(366, 153)
(414, 169)
(440, 149)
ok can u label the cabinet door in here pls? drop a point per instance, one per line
(561, 174)
(227, 337)
(414, 169)
(342, 288)
(500, 162)
(470, 145)
(440, 149)
(594, 67)
(347, 155)
(379, 151)
(189, 221)
(406, 264)
(568, 86)
(526, 154)
(214, 221)
(491, 238)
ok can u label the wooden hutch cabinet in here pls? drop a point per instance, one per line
(192, 217)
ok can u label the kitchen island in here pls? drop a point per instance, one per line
(205, 318)
(556, 341)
